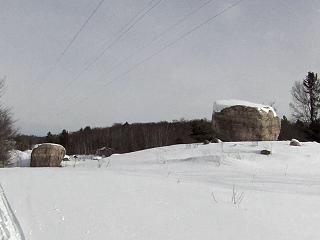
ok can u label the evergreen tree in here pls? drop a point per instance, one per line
(64, 138)
(201, 130)
(50, 138)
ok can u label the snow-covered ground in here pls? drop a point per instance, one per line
(216, 191)
(9, 225)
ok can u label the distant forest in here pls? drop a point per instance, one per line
(123, 138)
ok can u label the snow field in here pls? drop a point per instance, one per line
(215, 191)
(9, 226)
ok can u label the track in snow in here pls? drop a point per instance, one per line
(9, 226)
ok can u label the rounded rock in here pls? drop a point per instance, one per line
(47, 155)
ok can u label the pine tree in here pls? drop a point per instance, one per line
(50, 138)
(64, 138)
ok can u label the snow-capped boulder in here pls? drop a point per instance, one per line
(236, 120)
(216, 140)
(47, 155)
(295, 142)
(104, 152)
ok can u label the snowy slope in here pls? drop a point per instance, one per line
(9, 225)
(215, 191)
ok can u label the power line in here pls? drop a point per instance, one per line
(166, 46)
(125, 29)
(80, 30)
(122, 32)
(158, 36)
(73, 39)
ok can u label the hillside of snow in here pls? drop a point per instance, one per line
(215, 191)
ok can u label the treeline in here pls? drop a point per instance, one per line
(122, 138)
(126, 137)
(297, 130)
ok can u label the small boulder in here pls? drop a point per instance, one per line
(265, 152)
(295, 142)
(104, 152)
(216, 140)
(47, 155)
(205, 142)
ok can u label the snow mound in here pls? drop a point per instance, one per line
(219, 105)
(20, 159)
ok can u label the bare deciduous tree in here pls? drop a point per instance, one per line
(6, 130)
(306, 99)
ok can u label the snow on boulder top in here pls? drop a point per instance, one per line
(46, 144)
(218, 106)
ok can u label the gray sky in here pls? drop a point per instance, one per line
(253, 52)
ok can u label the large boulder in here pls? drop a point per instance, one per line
(243, 121)
(47, 155)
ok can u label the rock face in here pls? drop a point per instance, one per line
(245, 123)
(47, 155)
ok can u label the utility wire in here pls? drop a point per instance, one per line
(155, 38)
(73, 39)
(107, 46)
(81, 29)
(168, 45)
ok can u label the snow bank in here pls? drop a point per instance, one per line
(219, 105)
(20, 159)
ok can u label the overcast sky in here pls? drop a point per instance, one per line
(254, 51)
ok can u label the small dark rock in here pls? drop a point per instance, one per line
(265, 152)
(206, 142)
